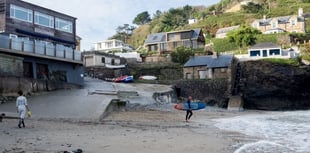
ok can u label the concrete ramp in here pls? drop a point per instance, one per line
(114, 106)
(235, 103)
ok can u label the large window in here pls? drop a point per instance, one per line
(43, 19)
(108, 44)
(255, 53)
(63, 25)
(274, 51)
(21, 13)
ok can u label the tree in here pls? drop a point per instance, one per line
(157, 14)
(181, 55)
(142, 18)
(252, 8)
(244, 36)
(123, 32)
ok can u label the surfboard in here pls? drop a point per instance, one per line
(147, 77)
(194, 106)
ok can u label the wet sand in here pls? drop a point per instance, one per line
(122, 132)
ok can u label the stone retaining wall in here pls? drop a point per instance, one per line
(9, 86)
(213, 92)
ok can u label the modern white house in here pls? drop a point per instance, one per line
(118, 48)
(95, 58)
(112, 46)
(265, 50)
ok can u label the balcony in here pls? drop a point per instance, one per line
(39, 49)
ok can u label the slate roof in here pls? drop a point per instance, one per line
(265, 45)
(161, 37)
(227, 29)
(210, 61)
(156, 38)
(281, 20)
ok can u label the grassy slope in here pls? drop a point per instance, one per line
(212, 23)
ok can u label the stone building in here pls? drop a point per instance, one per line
(208, 67)
(293, 23)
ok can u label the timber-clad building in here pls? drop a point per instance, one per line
(43, 38)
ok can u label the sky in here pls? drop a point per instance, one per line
(97, 20)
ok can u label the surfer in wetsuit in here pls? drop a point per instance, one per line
(189, 111)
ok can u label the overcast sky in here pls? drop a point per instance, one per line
(98, 19)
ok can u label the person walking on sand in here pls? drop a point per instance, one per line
(189, 111)
(22, 108)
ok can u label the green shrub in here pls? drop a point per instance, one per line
(291, 61)
(223, 45)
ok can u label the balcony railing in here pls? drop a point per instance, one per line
(40, 48)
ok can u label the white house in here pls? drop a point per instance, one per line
(130, 56)
(112, 45)
(264, 50)
(95, 58)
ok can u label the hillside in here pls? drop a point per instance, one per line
(227, 14)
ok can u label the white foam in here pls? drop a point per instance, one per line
(289, 129)
(262, 146)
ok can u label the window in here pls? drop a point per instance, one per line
(43, 20)
(64, 25)
(171, 36)
(163, 46)
(255, 53)
(109, 45)
(274, 25)
(175, 44)
(118, 44)
(102, 60)
(274, 51)
(153, 48)
(293, 22)
(187, 43)
(21, 13)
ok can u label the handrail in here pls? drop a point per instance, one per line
(39, 48)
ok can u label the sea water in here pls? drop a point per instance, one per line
(272, 132)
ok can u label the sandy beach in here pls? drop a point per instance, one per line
(122, 132)
(69, 120)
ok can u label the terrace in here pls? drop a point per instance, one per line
(40, 49)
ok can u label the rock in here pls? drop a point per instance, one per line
(272, 86)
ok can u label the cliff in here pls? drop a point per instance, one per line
(272, 86)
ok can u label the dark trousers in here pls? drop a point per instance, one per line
(189, 114)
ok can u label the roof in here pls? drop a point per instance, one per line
(227, 29)
(265, 45)
(210, 61)
(156, 38)
(161, 37)
(280, 19)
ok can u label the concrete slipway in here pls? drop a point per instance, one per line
(88, 103)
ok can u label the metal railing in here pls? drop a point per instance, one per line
(39, 48)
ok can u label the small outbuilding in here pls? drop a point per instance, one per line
(208, 67)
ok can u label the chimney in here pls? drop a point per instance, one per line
(300, 12)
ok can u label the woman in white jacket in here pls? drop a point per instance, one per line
(22, 108)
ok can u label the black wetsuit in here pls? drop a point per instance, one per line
(189, 112)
